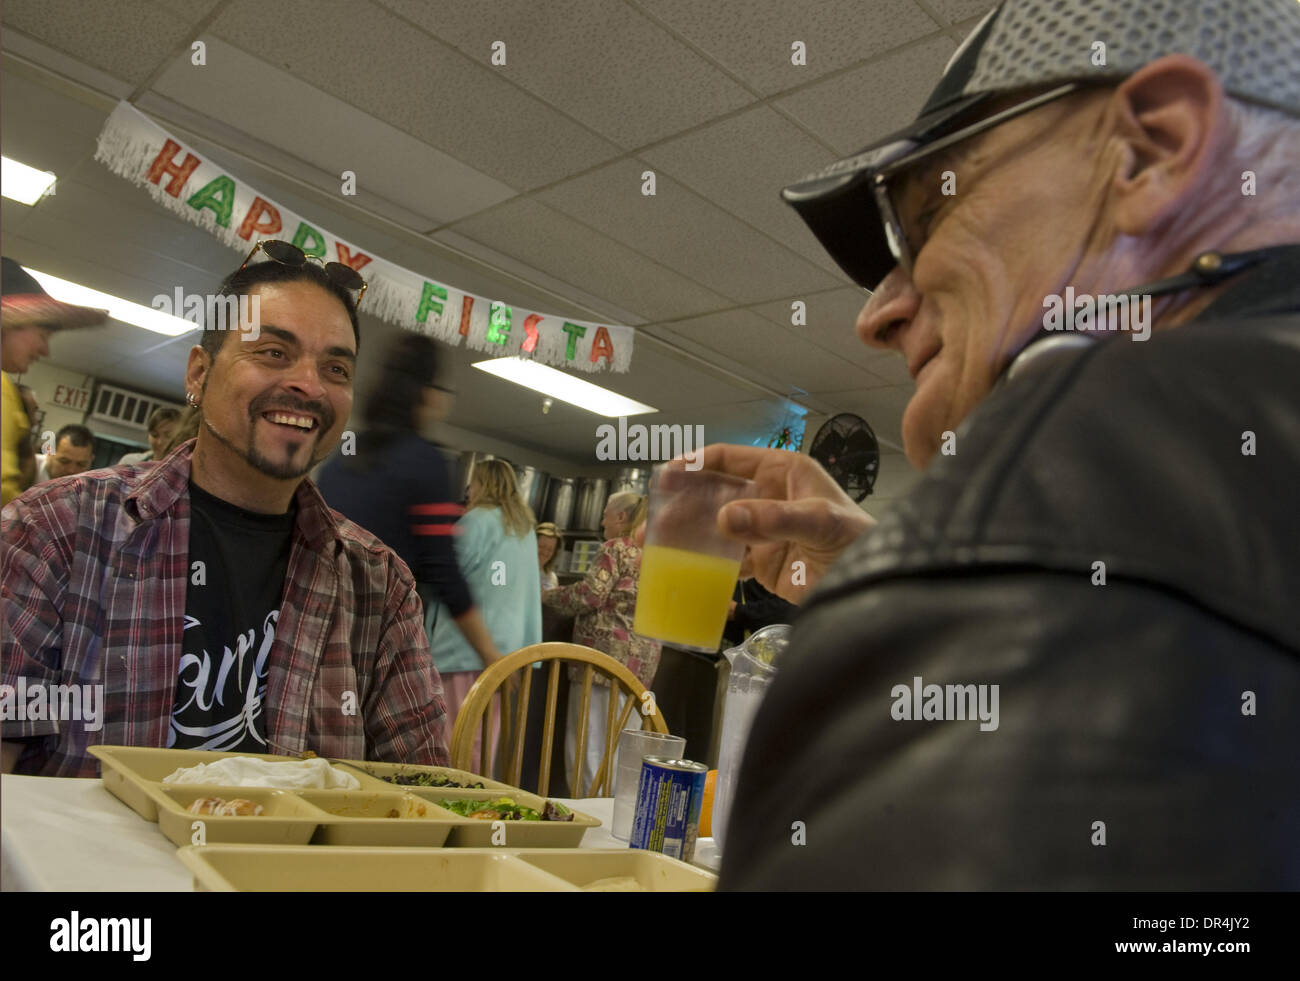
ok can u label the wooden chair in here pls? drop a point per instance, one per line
(478, 710)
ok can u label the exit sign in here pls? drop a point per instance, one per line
(71, 398)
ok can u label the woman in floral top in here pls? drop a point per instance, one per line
(604, 604)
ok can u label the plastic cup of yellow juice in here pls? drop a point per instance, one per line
(688, 567)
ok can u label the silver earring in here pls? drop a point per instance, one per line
(189, 397)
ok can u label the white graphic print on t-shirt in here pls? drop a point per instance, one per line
(224, 709)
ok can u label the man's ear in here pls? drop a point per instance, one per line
(1172, 123)
(196, 370)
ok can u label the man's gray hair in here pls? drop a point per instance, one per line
(1266, 143)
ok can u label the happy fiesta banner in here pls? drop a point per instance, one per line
(182, 180)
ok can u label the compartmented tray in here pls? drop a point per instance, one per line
(132, 773)
(377, 814)
(269, 868)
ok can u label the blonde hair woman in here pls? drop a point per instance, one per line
(550, 543)
(603, 604)
(497, 552)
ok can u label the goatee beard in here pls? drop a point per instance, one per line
(288, 470)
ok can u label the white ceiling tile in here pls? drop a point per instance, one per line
(753, 38)
(669, 382)
(232, 87)
(853, 110)
(25, 113)
(830, 317)
(598, 61)
(126, 38)
(789, 356)
(685, 232)
(156, 238)
(376, 61)
(741, 163)
(881, 407)
(62, 248)
(955, 11)
(559, 247)
(192, 11)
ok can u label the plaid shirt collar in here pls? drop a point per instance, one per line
(167, 482)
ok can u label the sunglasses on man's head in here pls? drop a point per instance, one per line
(288, 254)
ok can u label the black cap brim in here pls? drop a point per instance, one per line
(839, 204)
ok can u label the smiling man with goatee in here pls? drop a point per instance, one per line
(214, 595)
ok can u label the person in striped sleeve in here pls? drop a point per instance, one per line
(397, 485)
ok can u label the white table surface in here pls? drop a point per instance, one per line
(72, 835)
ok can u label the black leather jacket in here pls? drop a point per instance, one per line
(1160, 710)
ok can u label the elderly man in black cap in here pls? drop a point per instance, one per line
(1070, 658)
(30, 316)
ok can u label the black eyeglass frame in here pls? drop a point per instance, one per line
(340, 274)
(895, 235)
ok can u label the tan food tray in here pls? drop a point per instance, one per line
(267, 868)
(378, 814)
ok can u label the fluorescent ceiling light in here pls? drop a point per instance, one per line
(566, 388)
(24, 184)
(118, 309)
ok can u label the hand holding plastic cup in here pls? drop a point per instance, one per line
(688, 566)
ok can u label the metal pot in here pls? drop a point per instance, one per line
(592, 495)
(635, 479)
(532, 486)
(559, 501)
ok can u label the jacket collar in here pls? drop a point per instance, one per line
(1271, 287)
(1268, 287)
(164, 485)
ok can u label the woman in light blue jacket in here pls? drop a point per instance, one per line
(497, 552)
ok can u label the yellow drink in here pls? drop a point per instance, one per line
(682, 596)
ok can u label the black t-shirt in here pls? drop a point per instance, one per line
(232, 602)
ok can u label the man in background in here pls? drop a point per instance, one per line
(30, 317)
(74, 452)
(162, 426)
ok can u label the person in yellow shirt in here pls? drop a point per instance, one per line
(17, 445)
(29, 316)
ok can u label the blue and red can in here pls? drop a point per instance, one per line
(668, 801)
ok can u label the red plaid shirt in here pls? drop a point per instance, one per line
(95, 569)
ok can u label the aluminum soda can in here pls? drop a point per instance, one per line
(668, 801)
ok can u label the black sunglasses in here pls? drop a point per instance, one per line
(288, 254)
(903, 246)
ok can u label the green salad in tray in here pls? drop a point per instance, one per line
(426, 779)
(506, 809)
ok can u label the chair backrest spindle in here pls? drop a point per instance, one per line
(477, 714)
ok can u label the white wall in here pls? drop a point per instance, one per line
(893, 480)
(44, 378)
